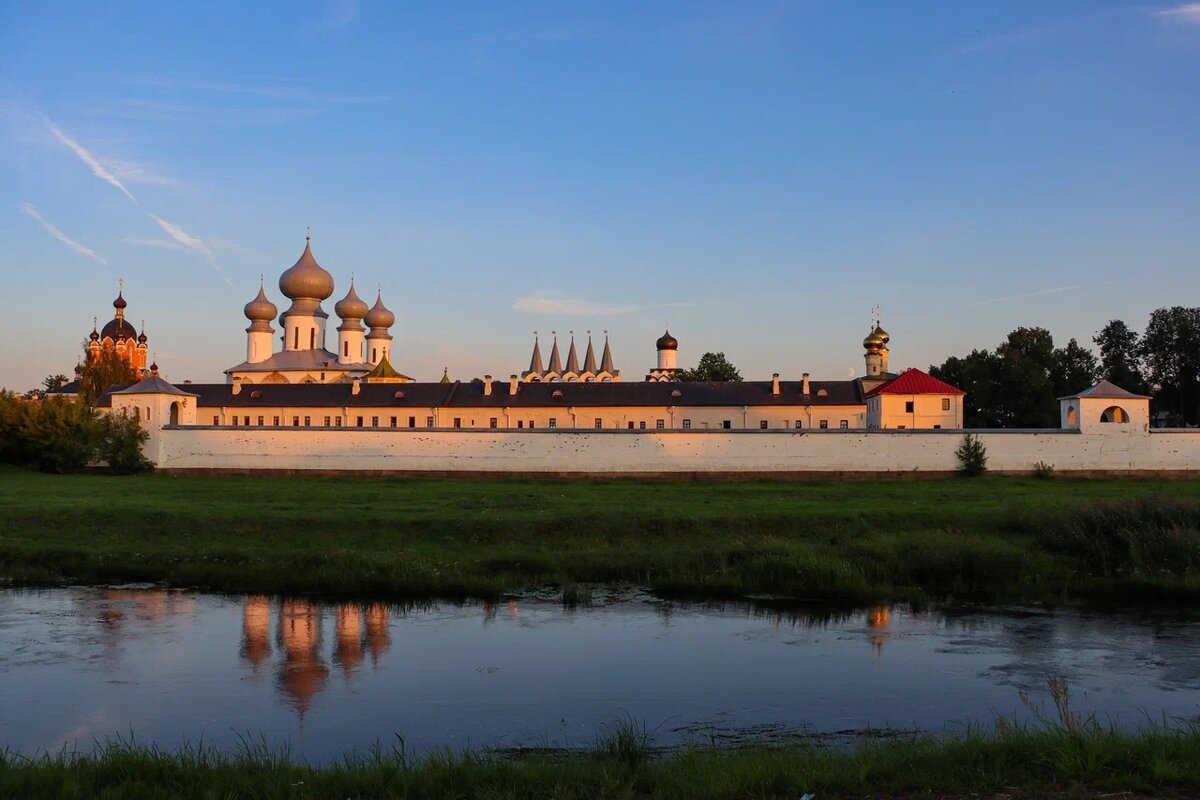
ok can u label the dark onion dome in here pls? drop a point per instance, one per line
(79, 369)
(379, 316)
(117, 330)
(306, 278)
(260, 309)
(666, 342)
(120, 303)
(351, 306)
(94, 335)
(142, 337)
(154, 368)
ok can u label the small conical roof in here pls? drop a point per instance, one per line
(555, 359)
(589, 360)
(535, 362)
(572, 357)
(606, 361)
(445, 375)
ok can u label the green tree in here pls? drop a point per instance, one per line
(59, 435)
(52, 382)
(1075, 368)
(1120, 357)
(1170, 351)
(712, 367)
(103, 371)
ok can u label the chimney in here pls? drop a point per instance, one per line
(237, 385)
(775, 383)
(356, 386)
(487, 385)
(804, 387)
(513, 383)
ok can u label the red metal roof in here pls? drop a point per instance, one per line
(914, 381)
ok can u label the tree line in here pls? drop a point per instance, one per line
(1017, 385)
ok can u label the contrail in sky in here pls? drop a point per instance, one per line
(1027, 294)
(28, 210)
(98, 169)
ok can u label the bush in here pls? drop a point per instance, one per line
(121, 440)
(1043, 470)
(972, 456)
(1150, 537)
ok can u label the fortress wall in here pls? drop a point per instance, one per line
(681, 453)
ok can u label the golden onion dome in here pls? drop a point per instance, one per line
(260, 309)
(379, 316)
(351, 306)
(306, 278)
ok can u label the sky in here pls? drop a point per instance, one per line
(756, 175)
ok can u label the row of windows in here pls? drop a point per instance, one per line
(393, 422)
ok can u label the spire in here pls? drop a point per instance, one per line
(535, 363)
(572, 357)
(606, 361)
(445, 375)
(555, 359)
(589, 360)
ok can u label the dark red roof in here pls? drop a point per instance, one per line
(914, 381)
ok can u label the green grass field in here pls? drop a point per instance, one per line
(990, 539)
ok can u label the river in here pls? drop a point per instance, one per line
(80, 665)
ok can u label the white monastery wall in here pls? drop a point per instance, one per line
(678, 452)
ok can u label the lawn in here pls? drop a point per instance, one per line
(990, 539)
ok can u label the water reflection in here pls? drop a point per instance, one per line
(77, 664)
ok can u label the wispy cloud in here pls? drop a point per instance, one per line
(557, 303)
(161, 244)
(1188, 13)
(1022, 296)
(28, 210)
(99, 170)
(189, 242)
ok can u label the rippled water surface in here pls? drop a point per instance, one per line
(78, 665)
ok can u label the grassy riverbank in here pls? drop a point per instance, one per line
(1052, 761)
(992, 539)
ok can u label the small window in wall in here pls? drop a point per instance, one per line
(246, 420)
(660, 424)
(276, 422)
(799, 424)
(412, 422)
(233, 421)
(762, 424)
(359, 422)
(1114, 414)
(307, 422)
(337, 421)
(295, 422)
(945, 404)
(312, 339)
(630, 424)
(327, 422)
(844, 424)
(687, 424)
(908, 406)
(531, 425)
(726, 424)
(260, 421)
(374, 355)
(553, 422)
(937, 427)
(296, 339)
(599, 423)
(374, 422)
(216, 420)
(458, 422)
(901, 427)
(393, 421)
(642, 425)
(429, 422)
(493, 423)
(824, 424)
(345, 349)
(521, 424)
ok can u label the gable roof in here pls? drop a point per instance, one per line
(914, 381)
(1106, 389)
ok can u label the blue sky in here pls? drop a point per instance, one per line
(757, 175)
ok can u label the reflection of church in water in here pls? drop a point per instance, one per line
(302, 672)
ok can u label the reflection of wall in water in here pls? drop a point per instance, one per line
(347, 632)
(379, 639)
(878, 619)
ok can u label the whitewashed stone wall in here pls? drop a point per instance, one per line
(1119, 451)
